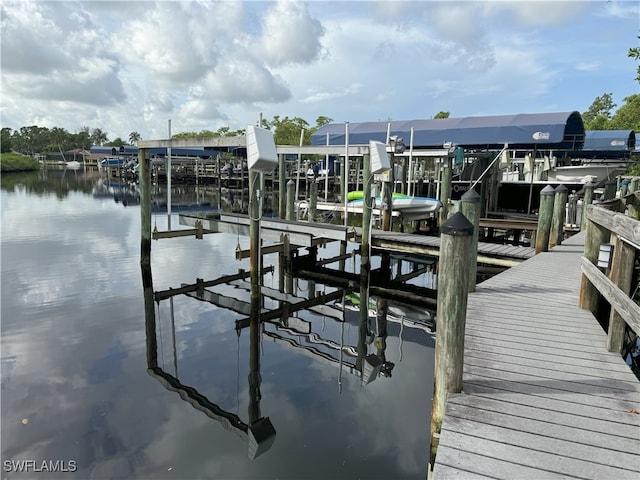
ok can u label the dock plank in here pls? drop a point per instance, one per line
(542, 397)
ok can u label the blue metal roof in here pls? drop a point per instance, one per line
(563, 130)
(610, 140)
(179, 152)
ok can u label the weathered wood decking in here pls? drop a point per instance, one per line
(542, 398)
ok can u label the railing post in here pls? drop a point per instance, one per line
(470, 208)
(594, 236)
(588, 200)
(453, 284)
(621, 274)
(545, 214)
(557, 222)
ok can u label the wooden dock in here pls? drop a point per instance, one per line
(542, 397)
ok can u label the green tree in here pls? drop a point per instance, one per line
(442, 115)
(627, 117)
(634, 53)
(117, 142)
(82, 139)
(321, 121)
(602, 106)
(5, 140)
(98, 137)
(287, 131)
(134, 138)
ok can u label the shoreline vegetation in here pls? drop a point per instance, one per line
(12, 162)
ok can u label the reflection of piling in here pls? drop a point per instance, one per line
(149, 317)
(545, 215)
(363, 325)
(557, 221)
(470, 208)
(453, 284)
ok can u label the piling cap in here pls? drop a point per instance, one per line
(471, 196)
(548, 190)
(458, 225)
(561, 189)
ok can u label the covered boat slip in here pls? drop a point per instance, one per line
(542, 397)
(546, 131)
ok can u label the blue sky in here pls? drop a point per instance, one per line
(132, 66)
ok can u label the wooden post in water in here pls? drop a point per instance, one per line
(445, 189)
(282, 187)
(291, 207)
(254, 228)
(557, 221)
(313, 200)
(588, 200)
(624, 186)
(145, 206)
(453, 285)
(621, 274)
(545, 214)
(366, 213)
(470, 208)
(594, 236)
(610, 190)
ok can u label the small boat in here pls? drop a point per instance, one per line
(405, 204)
(73, 165)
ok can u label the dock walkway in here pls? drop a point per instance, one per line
(542, 397)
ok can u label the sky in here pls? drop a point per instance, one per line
(202, 65)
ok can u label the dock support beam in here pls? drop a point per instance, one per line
(291, 206)
(254, 230)
(313, 200)
(445, 189)
(453, 285)
(545, 215)
(595, 235)
(366, 212)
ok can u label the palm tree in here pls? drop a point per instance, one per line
(134, 137)
(98, 137)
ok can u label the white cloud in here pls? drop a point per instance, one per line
(289, 34)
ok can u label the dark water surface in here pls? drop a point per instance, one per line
(75, 385)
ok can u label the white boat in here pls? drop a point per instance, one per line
(73, 165)
(592, 172)
(404, 204)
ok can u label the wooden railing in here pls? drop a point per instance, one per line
(614, 222)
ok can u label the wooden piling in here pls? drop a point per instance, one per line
(545, 215)
(366, 212)
(621, 274)
(588, 200)
(470, 208)
(313, 201)
(610, 190)
(282, 187)
(144, 175)
(556, 232)
(445, 189)
(633, 185)
(254, 228)
(291, 207)
(453, 285)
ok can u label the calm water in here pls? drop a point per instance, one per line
(75, 382)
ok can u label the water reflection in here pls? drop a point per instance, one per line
(282, 323)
